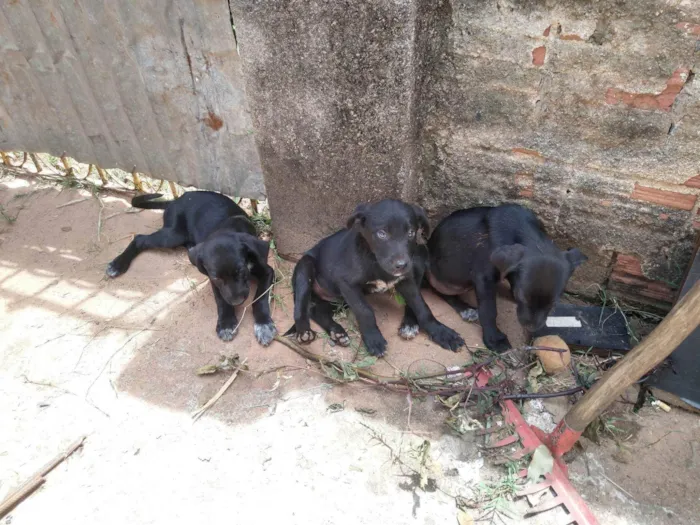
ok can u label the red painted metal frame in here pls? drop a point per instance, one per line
(559, 441)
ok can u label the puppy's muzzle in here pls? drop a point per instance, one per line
(400, 267)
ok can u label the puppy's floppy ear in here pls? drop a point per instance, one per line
(507, 258)
(575, 257)
(256, 250)
(195, 255)
(358, 216)
(423, 232)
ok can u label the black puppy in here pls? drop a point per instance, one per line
(383, 247)
(478, 247)
(222, 244)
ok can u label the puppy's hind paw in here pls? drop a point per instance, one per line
(408, 331)
(265, 333)
(226, 334)
(306, 337)
(469, 315)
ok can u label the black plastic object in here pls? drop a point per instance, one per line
(682, 377)
(588, 326)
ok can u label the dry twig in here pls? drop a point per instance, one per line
(197, 414)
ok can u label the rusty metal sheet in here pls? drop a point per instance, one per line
(124, 83)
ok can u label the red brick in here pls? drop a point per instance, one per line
(628, 272)
(661, 101)
(525, 182)
(693, 182)
(571, 37)
(664, 216)
(546, 31)
(691, 29)
(528, 152)
(538, 55)
(670, 199)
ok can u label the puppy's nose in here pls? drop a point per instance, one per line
(400, 265)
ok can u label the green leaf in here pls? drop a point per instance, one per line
(399, 299)
(541, 464)
(368, 361)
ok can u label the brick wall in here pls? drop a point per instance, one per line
(587, 112)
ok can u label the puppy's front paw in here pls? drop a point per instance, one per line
(446, 337)
(265, 333)
(226, 334)
(408, 331)
(375, 343)
(470, 315)
(114, 269)
(305, 337)
(496, 341)
(340, 337)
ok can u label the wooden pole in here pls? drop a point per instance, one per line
(673, 330)
(19, 495)
(37, 479)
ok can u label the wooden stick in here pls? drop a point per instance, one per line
(138, 186)
(66, 165)
(101, 173)
(24, 159)
(37, 479)
(5, 158)
(673, 330)
(36, 162)
(19, 495)
(196, 415)
(173, 189)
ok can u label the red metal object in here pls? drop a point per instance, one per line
(559, 441)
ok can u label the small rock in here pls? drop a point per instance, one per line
(66, 229)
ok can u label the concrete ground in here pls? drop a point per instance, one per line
(116, 360)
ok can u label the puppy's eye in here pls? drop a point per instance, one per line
(381, 234)
(411, 234)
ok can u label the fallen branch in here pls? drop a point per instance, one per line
(36, 480)
(197, 414)
(451, 382)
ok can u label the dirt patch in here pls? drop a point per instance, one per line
(116, 359)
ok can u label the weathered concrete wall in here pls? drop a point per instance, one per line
(155, 85)
(587, 111)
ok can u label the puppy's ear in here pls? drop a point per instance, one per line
(256, 250)
(423, 232)
(575, 257)
(507, 258)
(195, 255)
(358, 216)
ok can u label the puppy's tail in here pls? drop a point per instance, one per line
(149, 202)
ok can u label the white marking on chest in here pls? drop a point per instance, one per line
(563, 322)
(250, 265)
(380, 286)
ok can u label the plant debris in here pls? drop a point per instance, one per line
(225, 364)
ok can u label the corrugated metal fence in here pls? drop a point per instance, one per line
(123, 83)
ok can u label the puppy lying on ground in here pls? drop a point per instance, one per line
(222, 244)
(478, 247)
(382, 248)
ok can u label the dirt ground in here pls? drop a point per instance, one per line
(115, 360)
